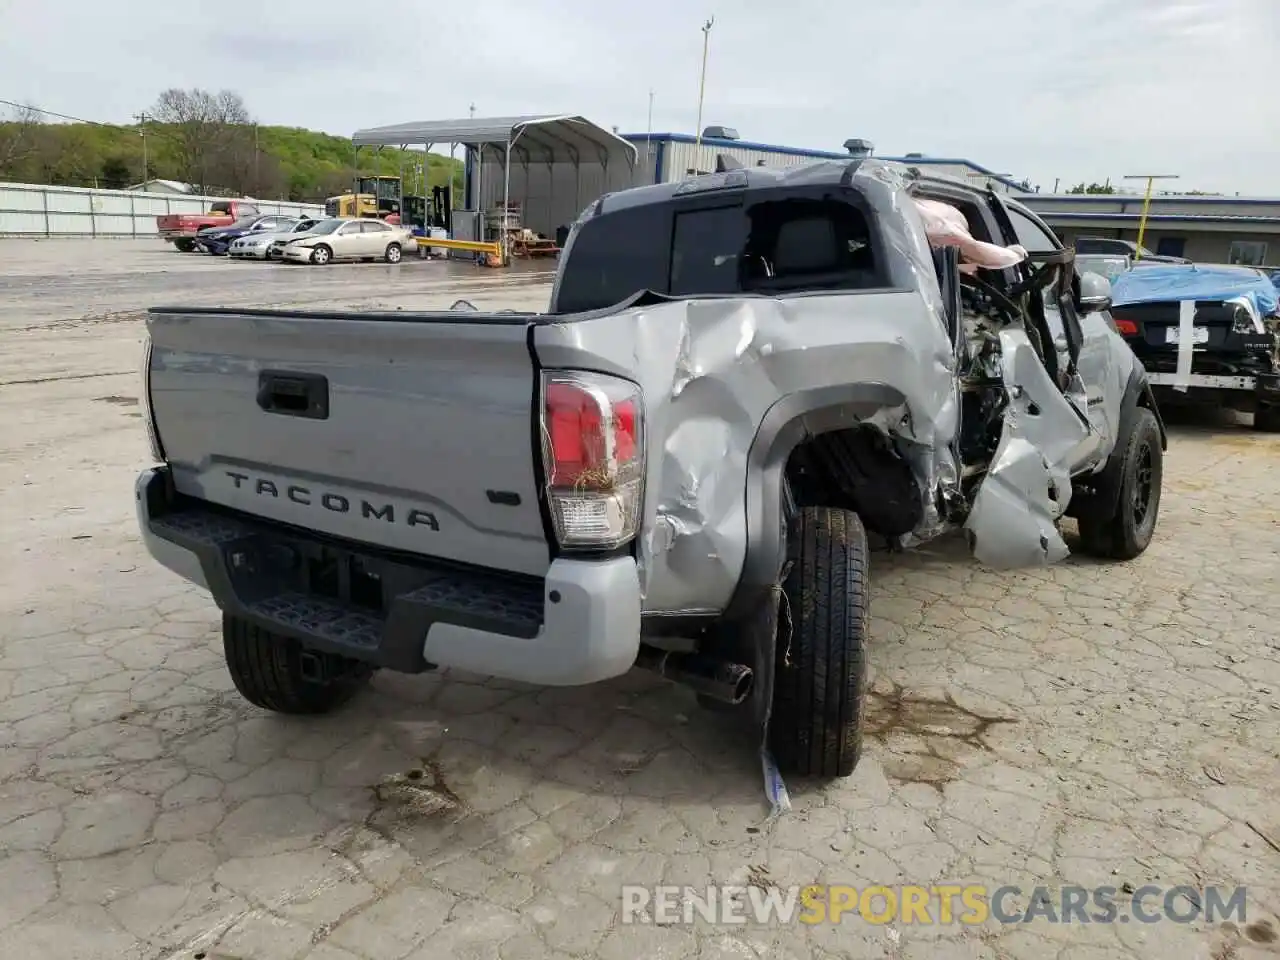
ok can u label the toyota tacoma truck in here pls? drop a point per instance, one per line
(676, 468)
(180, 229)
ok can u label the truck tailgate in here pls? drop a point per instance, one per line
(412, 432)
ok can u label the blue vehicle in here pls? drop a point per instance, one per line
(217, 240)
(1205, 332)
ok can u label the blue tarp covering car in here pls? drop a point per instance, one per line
(1166, 283)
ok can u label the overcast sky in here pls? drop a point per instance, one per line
(1045, 89)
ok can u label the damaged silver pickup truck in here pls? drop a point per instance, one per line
(675, 468)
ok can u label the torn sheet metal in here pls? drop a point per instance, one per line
(1027, 489)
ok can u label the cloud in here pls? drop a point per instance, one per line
(1083, 90)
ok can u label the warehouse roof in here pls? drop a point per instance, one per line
(548, 139)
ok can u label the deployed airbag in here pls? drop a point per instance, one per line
(945, 226)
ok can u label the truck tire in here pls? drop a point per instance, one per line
(268, 671)
(393, 253)
(1128, 531)
(820, 675)
(321, 255)
(1266, 418)
(184, 246)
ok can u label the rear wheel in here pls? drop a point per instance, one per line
(321, 255)
(393, 253)
(184, 246)
(819, 684)
(1128, 532)
(276, 673)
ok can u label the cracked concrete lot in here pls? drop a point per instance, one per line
(1081, 725)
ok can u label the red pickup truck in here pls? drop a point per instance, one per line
(180, 229)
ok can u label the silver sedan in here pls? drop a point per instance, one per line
(258, 246)
(347, 239)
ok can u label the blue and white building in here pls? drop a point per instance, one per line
(670, 157)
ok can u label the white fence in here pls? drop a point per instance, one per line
(37, 210)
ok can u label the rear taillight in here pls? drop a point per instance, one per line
(593, 457)
(1126, 328)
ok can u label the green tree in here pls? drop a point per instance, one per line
(116, 173)
(1081, 188)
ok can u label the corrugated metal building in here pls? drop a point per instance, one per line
(669, 157)
(1205, 229)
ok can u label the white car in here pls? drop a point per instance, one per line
(258, 246)
(347, 239)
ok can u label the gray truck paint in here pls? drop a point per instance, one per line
(425, 417)
(432, 412)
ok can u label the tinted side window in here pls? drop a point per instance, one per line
(614, 256)
(792, 244)
(800, 243)
(706, 251)
(220, 208)
(1099, 246)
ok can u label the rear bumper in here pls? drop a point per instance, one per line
(579, 625)
(1266, 386)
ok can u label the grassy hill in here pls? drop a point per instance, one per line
(288, 162)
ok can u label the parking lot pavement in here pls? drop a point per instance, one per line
(1082, 725)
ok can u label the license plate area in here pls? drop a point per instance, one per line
(268, 565)
(1199, 335)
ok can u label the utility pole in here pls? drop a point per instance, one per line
(142, 132)
(257, 184)
(1151, 178)
(702, 84)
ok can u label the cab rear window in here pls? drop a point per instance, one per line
(772, 246)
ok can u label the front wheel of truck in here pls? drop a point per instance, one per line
(820, 676)
(1127, 533)
(276, 673)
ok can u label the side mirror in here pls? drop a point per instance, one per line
(1095, 294)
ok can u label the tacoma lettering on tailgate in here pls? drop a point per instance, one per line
(333, 502)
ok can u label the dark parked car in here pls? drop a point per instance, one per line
(1205, 333)
(217, 240)
(1123, 248)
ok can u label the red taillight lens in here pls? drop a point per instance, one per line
(593, 456)
(1126, 328)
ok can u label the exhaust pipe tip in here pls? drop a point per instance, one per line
(720, 680)
(742, 688)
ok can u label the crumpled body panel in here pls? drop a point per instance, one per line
(711, 370)
(1013, 522)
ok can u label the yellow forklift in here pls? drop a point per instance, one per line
(379, 197)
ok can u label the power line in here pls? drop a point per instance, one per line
(60, 116)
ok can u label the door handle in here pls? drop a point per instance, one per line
(294, 394)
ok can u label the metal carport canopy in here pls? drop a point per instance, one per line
(551, 139)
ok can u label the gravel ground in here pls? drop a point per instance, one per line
(1081, 725)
